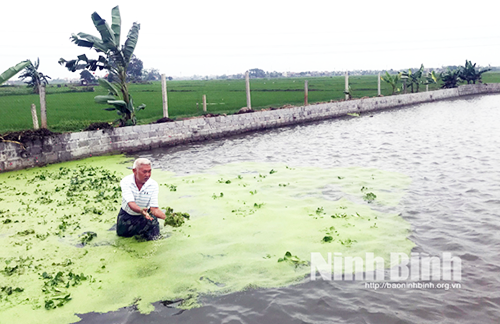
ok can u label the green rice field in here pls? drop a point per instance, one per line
(71, 109)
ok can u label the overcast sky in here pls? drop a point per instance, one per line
(215, 37)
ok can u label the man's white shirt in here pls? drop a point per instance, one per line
(144, 198)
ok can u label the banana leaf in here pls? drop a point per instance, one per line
(131, 42)
(130, 106)
(107, 35)
(83, 57)
(82, 39)
(10, 72)
(116, 22)
(104, 99)
(118, 103)
(113, 90)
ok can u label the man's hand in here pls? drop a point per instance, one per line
(155, 211)
(145, 213)
(137, 209)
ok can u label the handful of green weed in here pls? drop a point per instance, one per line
(175, 219)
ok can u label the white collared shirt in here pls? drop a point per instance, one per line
(144, 198)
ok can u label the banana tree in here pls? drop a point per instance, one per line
(470, 73)
(430, 78)
(392, 80)
(10, 72)
(125, 109)
(415, 78)
(36, 78)
(112, 57)
(450, 78)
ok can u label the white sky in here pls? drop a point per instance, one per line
(187, 37)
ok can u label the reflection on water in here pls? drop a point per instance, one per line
(450, 149)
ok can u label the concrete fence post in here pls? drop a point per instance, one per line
(164, 95)
(378, 82)
(34, 117)
(43, 107)
(247, 82)
(204, 103)
(306, 93)
(347, 85)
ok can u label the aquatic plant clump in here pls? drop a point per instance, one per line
(175, 219)
(250, 225)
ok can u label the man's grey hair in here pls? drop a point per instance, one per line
(139, 162)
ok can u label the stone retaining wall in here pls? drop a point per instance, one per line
(73, 146)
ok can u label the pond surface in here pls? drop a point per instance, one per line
(451, 151)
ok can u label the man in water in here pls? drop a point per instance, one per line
(139, 200)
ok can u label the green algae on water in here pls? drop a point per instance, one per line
(60, 255)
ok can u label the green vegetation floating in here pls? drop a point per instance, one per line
(174, 219)
(61, 256)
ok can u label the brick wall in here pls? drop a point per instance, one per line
(73, 146)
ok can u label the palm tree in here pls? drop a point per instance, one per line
(10, 72)
(37, 79)
(112, 57)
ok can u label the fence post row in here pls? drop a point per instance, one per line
(247, 83)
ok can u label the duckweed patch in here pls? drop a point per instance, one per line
(293, 259)
(60, 255)
(175, 219)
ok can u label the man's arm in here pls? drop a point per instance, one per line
(143, 211)
(157, 212)
(154, 202)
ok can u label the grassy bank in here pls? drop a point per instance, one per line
(70, 109)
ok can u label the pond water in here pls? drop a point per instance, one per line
(451, 151)
(422, 179)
